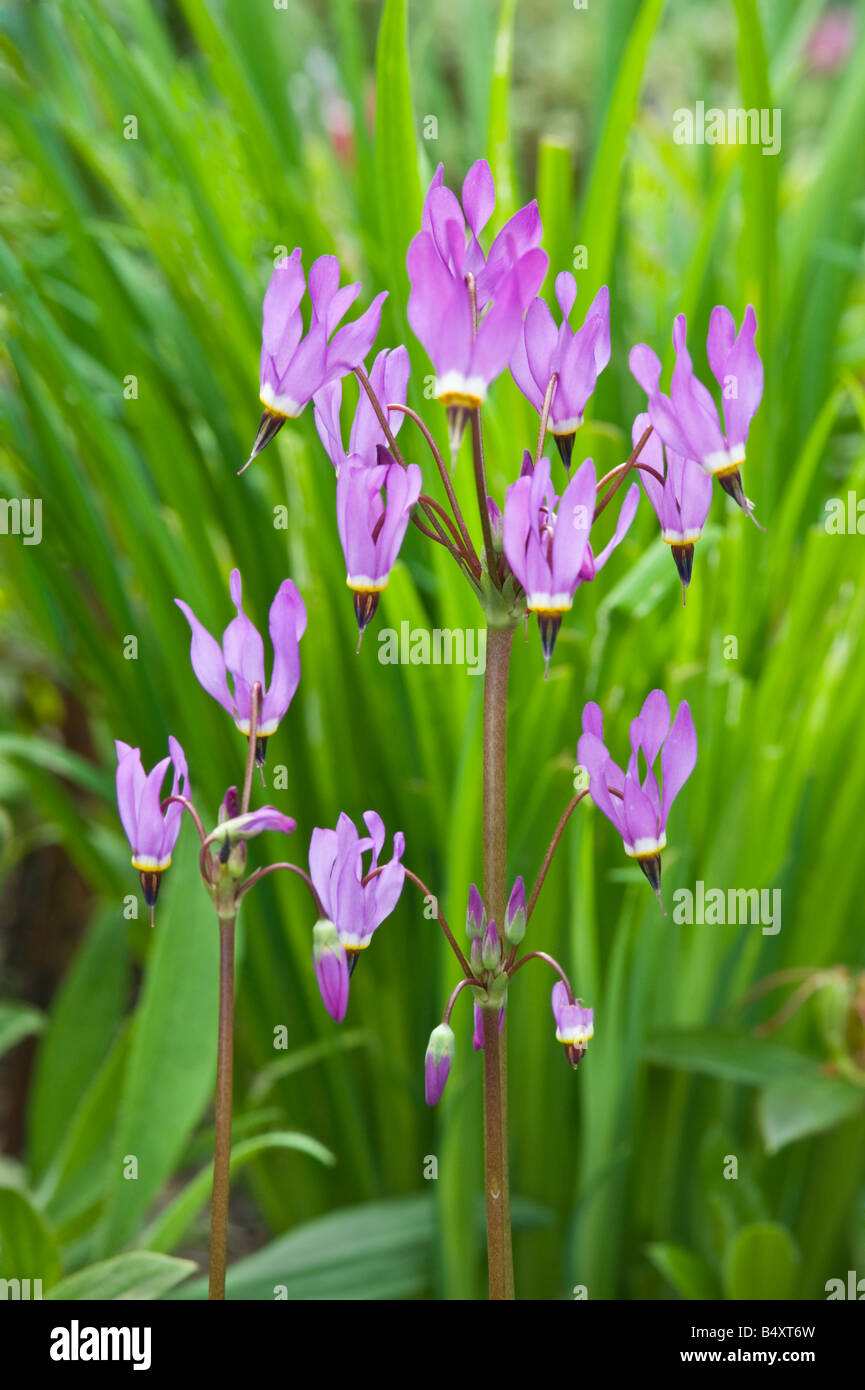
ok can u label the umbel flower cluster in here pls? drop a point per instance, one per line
(475, 308)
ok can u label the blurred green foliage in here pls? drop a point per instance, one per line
(157, 159)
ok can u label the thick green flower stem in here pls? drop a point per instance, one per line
(501, 1267)
(222, 1143)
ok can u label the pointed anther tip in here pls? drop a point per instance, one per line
(365, 606)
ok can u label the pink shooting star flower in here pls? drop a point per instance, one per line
(466, 308)
(455, 231)
(577, 359)
(373, 507)
(354, 908)
(295, 366)
(687, 420)
(151, 833)
(575, 1025)
(546, 540)
(241, 656)
(639, 809)
(681, 503)
(224, 849)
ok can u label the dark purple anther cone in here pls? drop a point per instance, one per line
(684, 558)
(565, 446)
(549, 624)
(651, 866)
(365, 604)
(268, 428)
(150, 881)
(732, 485)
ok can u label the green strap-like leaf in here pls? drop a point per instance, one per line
(140, 1275)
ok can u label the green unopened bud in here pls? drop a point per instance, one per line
(442, 1043)
(325, 937)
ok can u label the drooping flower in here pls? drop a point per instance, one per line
(437, 1064)
(389, 380)
(546, 540)
(242, 657)
(467, 356)
(577, 359)
(331, 968)
(224, 849)
(152, 835)
(681, 503)
(639, 809)
(247, 824)
(574, 1024)
(466, 308)
(295, 366)
(337, 872)
(373, 507)
(687, 420)
(456, 232)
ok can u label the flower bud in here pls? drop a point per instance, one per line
(439, 1055)
(476, 956)
(230, 807)
(515, 916)
(476, 917)
(491, 951)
